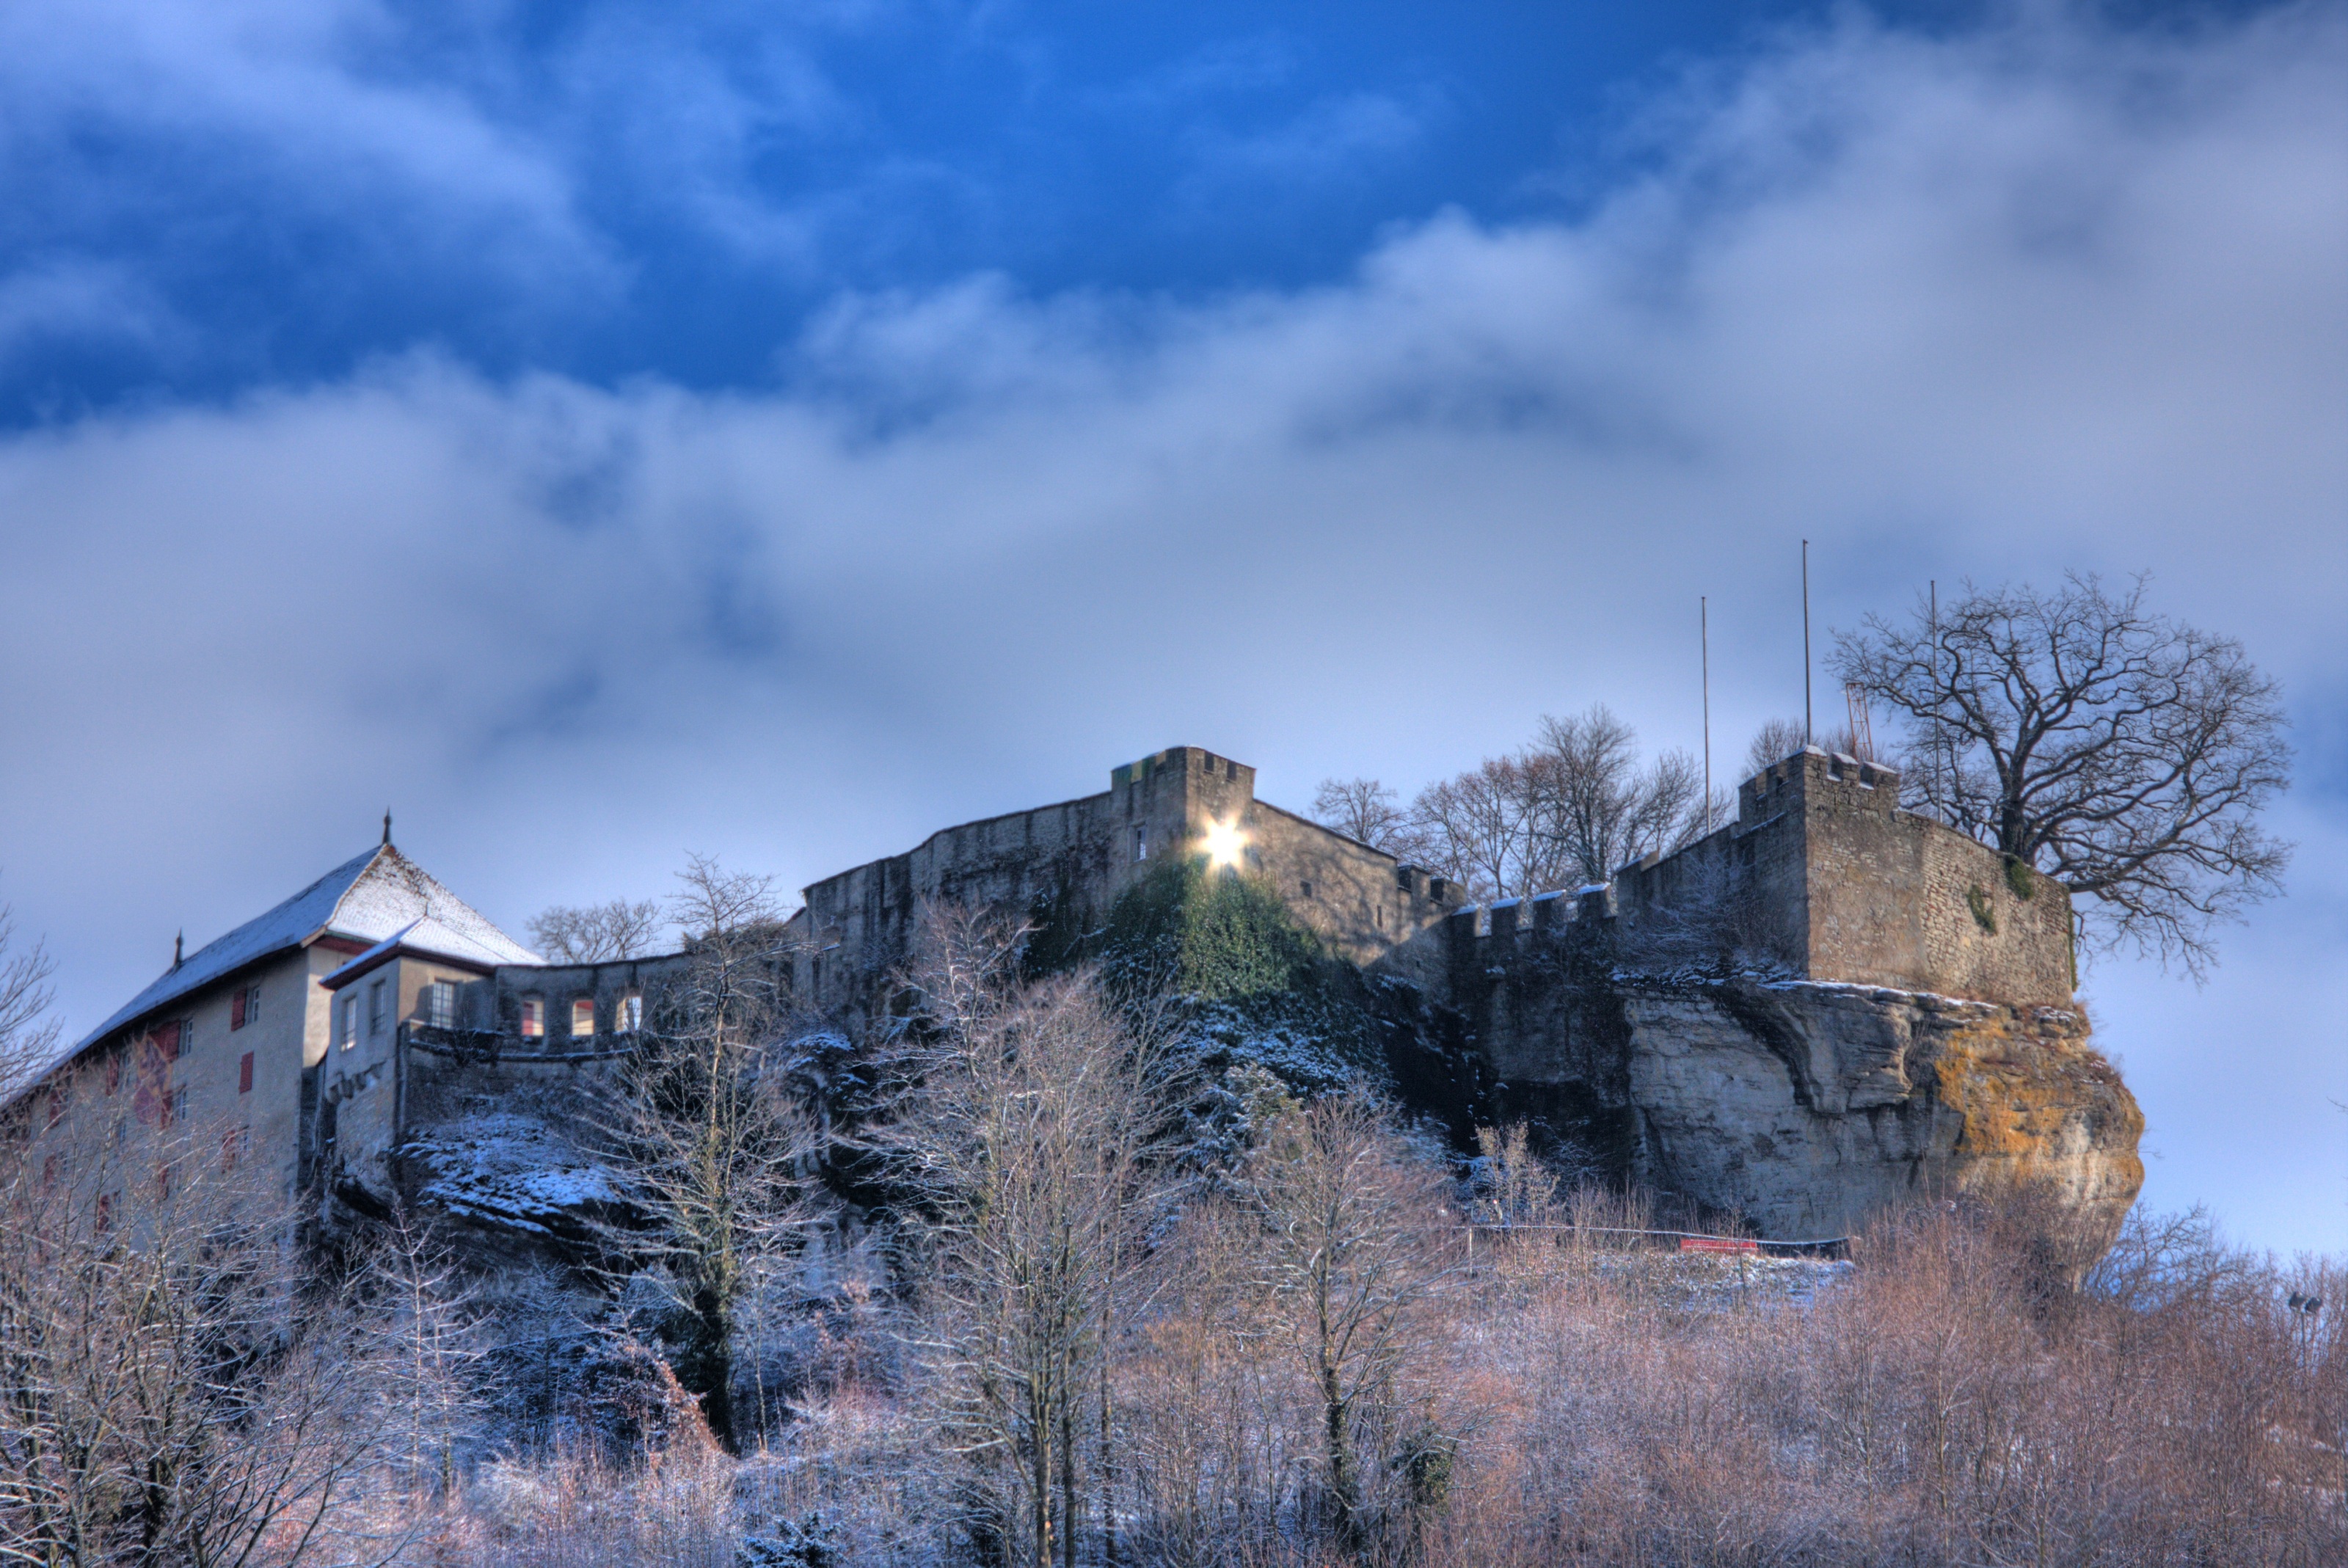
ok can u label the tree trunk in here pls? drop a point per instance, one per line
(1345, 1486)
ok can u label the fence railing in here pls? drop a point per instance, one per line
(1828, 1247)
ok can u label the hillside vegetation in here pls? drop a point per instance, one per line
(1060, 1270)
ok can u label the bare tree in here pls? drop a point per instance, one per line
(715, 902)
(2122, 752)
(1514, 1188)
(28, 1034)
(1347, 1265)
(596, 932)
(1776, 740)
(171, 1389)
(1366, 811)
(1026, 1135)
(715, 1152)
(420, 1312)
(1568, 809)
(1598, 807)
(1479, 829)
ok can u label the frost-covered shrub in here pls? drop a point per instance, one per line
(812, 1542)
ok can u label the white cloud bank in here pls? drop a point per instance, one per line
(2003, 304)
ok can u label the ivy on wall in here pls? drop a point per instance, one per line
(1214, 934)
(1260, 986)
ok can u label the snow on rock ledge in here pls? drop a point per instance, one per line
(508, 1171)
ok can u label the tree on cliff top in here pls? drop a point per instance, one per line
(2118, 751)
(1563, 812)
(596, 932)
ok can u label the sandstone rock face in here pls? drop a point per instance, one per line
(1807, 1107)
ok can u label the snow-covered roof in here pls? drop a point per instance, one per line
(372, 898)
(431, 937)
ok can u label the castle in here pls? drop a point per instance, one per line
(330, 1032)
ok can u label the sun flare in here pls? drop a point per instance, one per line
(1224, 842)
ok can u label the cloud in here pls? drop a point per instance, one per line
(307, 99)
(1998, 305)
(1339, 134)
(81, 299)
(1230, 67)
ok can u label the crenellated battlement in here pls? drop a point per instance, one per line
(1822, 876)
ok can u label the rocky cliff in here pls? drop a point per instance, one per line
(1807, 1107)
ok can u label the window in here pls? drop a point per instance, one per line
(350, 1022)
(582, 1018)
(235, 1144)
(244, 1008)
(440, 1005)
(113, 1071)
(244, 1074)
(1141, 843)
(105, 1212)
(631, 1016)
(172, 1108)
(169, 1037)
(375, 1007)
(534, 1018)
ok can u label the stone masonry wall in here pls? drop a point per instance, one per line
(1831, 877)
(1075, 857)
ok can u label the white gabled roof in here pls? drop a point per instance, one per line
(379, 896)
(432, 937)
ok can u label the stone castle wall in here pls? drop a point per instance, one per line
(1827, 874)
(1901, 1035)
(1073, 860)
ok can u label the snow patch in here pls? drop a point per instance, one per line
(512, 1171)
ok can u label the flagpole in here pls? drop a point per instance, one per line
(1808, 736)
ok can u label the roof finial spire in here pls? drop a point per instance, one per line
(386, 825)
(179, 948)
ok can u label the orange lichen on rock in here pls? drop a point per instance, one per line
(2040, 1107)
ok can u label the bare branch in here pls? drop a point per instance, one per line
(2118, 751)
(1366, 811)
(596, 932)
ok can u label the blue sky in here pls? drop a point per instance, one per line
(212, 196)
(608, 431)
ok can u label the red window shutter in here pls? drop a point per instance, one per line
(244, 1074)
(167, 1040)
(236, 1011)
